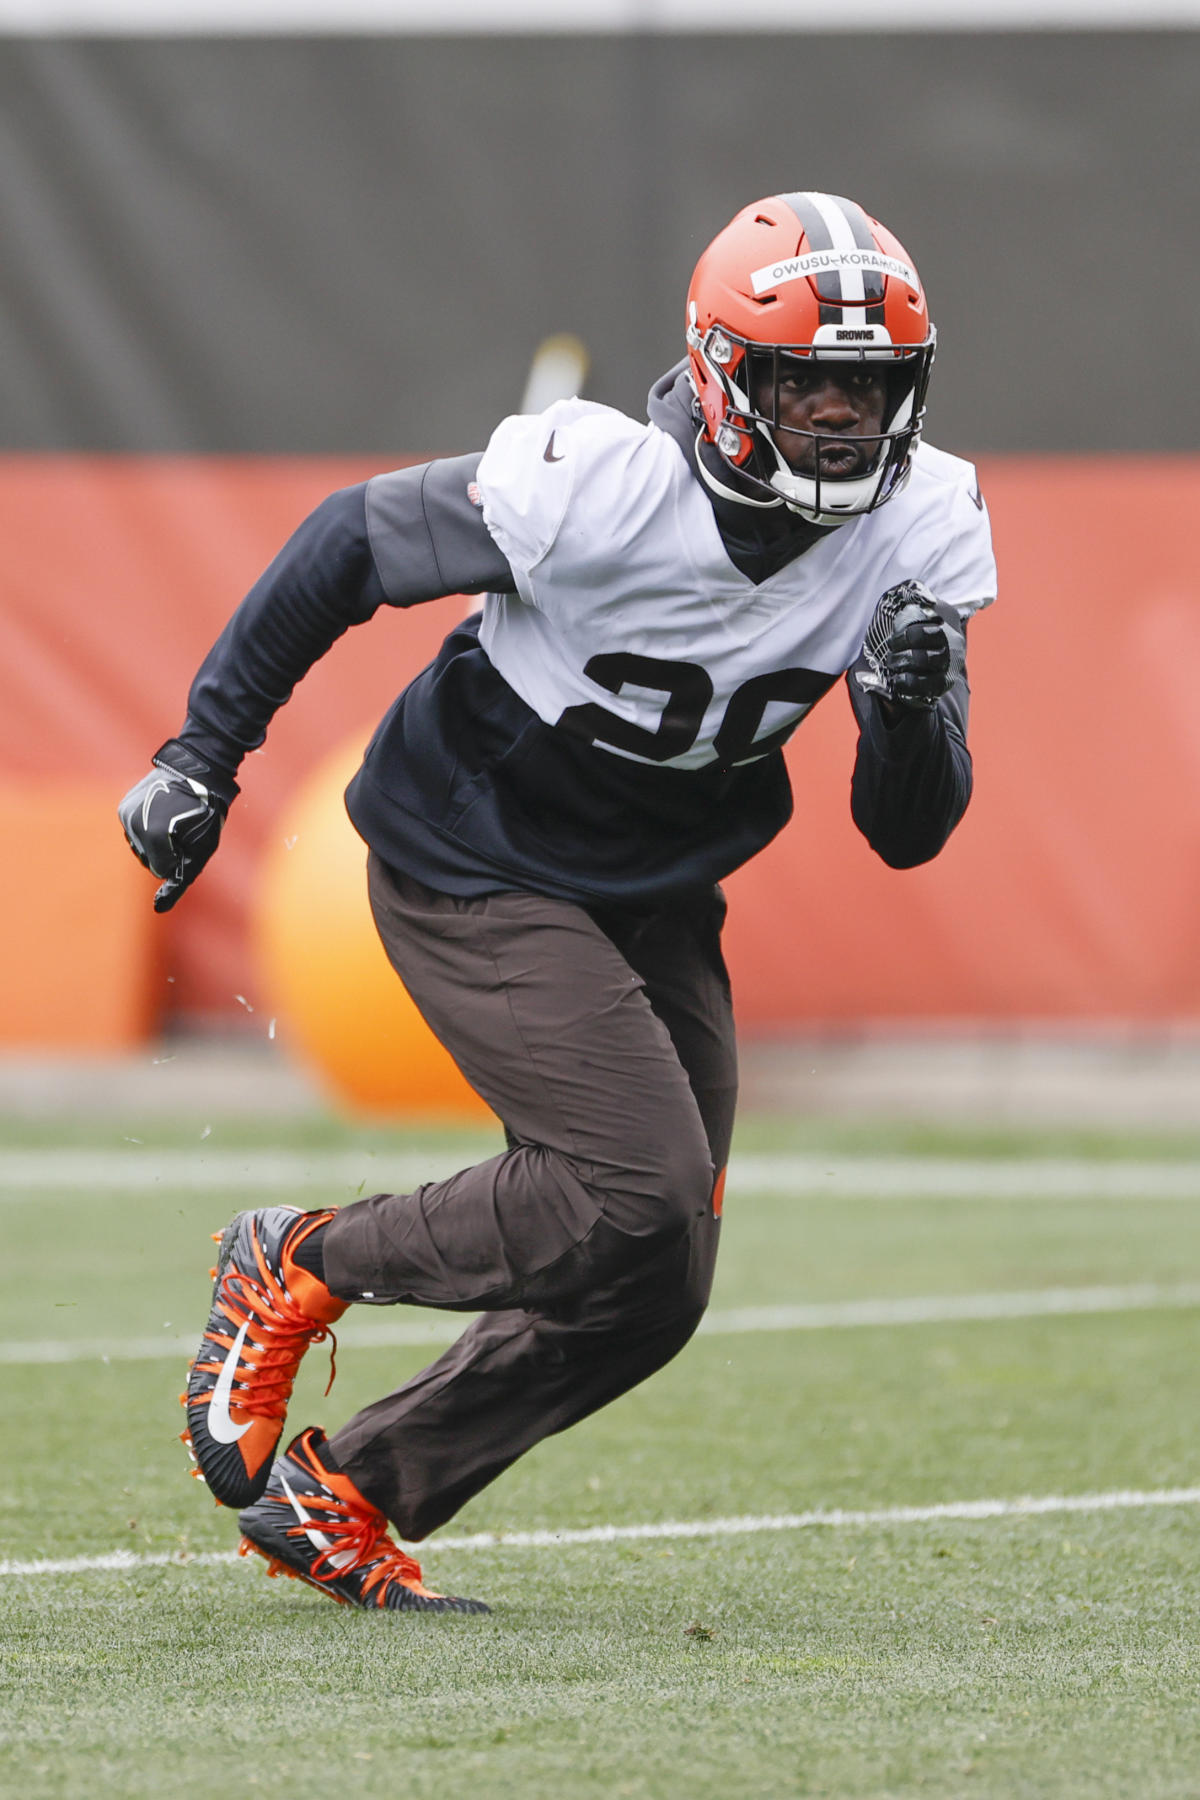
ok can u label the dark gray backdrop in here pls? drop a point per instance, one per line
(355, 244)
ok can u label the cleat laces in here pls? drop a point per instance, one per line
(267, 1365)
(357, 1538)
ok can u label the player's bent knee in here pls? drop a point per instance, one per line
(685, 1178)
(662, 1188)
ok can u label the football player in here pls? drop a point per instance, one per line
(548, 809)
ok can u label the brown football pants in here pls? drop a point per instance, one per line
(604, 1042)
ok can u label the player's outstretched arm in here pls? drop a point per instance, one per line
(912, 774)
(400, 539)
(318, 585)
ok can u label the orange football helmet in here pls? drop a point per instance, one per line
(806, 275)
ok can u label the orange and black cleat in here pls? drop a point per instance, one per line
(266, 1311)
(313, 1525)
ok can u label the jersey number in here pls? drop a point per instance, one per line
(688, 692)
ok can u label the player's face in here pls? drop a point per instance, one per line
(842, 403)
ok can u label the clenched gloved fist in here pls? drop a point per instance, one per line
(173, 818)
(914, 654)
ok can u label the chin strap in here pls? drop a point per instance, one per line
(717, 486)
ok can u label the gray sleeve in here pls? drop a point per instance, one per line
(427, 536)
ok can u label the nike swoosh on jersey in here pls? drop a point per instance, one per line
(548, 453)
(340, 1559)
(219, 1424)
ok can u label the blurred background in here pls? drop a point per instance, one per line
(252, 254)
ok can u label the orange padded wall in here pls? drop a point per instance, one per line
(1069, 893)
(119, 573)
(1071, 889)
(77, 949)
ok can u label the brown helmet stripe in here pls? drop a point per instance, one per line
(812, 223)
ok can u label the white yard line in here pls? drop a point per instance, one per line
(25, 1174)
(1029, 1506)
(834, 1315)
(146, 1170)
(428, 1331)
(939, 1309)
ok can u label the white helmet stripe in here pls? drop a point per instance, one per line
(841, 237)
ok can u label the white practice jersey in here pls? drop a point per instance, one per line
(630, 618)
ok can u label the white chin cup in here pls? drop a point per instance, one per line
(839, 500)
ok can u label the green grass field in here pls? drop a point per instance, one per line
(1047, 1654)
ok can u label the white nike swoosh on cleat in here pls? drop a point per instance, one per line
(219, 1424)
(341, 1559)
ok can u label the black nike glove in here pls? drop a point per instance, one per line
(913, 652)
(173, 818)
